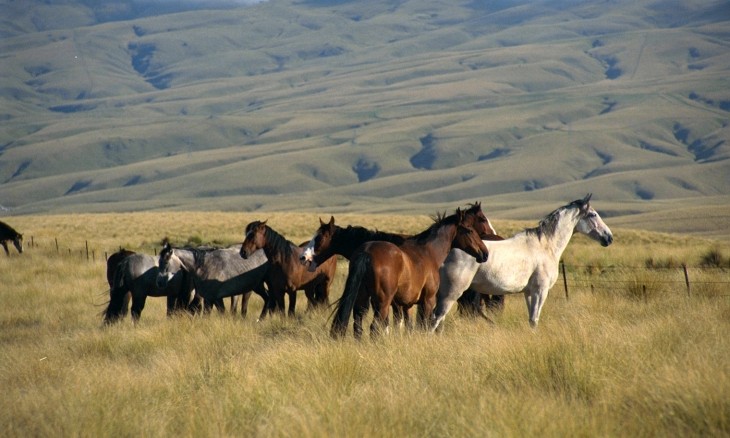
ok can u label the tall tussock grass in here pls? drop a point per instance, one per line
(611, 362)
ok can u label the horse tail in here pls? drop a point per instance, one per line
(118, 300)
(358, 268)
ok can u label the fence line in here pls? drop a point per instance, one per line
(565, 271)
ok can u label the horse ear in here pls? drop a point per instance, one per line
(587, 198)
(332, 221)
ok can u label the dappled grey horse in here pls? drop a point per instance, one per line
(217, 273)
(527, 262)
(136, 276)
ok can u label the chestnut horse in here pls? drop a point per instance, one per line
(286, 275)
(407, 274)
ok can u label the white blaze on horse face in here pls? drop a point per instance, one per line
(491, 228)
(593, 226)
(307, 255)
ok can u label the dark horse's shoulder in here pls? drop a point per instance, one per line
(7, 232)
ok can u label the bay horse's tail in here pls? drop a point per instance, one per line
(118, 299)
(358, 268)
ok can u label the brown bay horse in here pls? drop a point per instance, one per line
(331, 239)
(286, 274)
(382, 273)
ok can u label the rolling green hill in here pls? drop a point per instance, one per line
(369, 106)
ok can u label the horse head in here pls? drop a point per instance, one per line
(468, 239)
(168, 265)
(591, 224)
(18, 242)
(320, 242)
(255, 238)
(475, 218)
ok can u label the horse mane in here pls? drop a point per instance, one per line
(198, 252)
(548, 225)
(363, 234)
(439, 221)
(279, 244)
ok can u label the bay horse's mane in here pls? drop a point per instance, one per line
(439, 221)
(363, 234)
(279, 244)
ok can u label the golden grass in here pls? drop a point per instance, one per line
(601, 364)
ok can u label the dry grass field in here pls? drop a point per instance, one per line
(614, 362)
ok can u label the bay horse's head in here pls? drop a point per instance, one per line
(255, 238)
(320, 242)
(168, 265)
(474, 217)
(468, 240)
(590, 223)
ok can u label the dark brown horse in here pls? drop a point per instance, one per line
(8, 234)
(112, 263)
(286, 275)
(382, 273)
(331, 239)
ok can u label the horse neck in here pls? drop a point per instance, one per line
(439, 242)
(560, 238)
(277, 247)
(187, 258)
(346, 241)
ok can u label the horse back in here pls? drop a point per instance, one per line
(7, 232)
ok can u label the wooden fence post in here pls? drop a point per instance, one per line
(686, 280)
(565, 281)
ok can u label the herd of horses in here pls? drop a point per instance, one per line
(459, 258)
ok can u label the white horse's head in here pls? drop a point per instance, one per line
(591, 224)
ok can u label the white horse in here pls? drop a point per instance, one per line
(527, 262)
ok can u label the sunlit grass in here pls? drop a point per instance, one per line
(606, 363)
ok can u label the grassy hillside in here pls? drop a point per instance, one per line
(385, 106)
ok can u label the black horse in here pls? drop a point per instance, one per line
(8, 234)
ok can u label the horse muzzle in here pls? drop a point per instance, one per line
(482, 257)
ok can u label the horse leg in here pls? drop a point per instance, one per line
(138, 302)
(535, 298)
(311, 293)
(126, 298)
(261, 291)
(195, 305)
(171, 304)
(494, 303)
(5, 246)
(451, 288)
(235, 299)
(292, 302)
(220, 305)
(380, 320)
